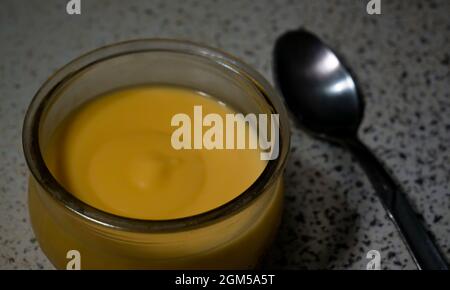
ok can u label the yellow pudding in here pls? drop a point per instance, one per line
(115, 153)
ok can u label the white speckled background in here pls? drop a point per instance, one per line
(332, 216)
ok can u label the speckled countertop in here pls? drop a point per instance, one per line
(332, 217)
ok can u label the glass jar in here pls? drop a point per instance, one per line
(232, 236)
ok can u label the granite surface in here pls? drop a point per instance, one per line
(332, 217)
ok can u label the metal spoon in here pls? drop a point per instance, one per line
(325, 98)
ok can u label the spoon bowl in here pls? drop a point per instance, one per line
(317, 83)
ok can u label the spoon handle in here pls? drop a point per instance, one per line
(420, 244)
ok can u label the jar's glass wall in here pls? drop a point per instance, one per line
(236, 241)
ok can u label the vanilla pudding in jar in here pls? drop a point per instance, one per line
(108, 181)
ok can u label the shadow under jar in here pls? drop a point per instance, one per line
(231, 236)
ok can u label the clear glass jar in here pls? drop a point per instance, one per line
(232, 236)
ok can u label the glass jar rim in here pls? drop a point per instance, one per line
(41, 100)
